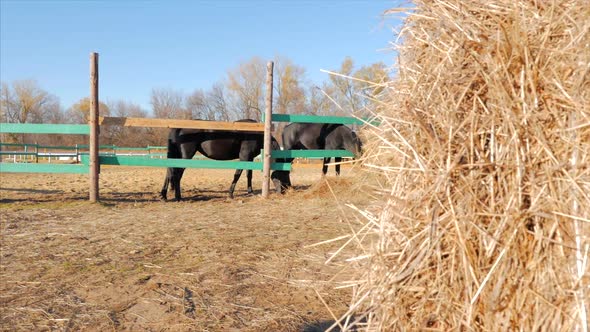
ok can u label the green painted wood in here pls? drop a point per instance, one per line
(130, 149)
(304, 118)
(56, 147)
(102, 147)
(311, 153)
(42, 168)
(43, 128)
(184, 163)
(18, 144)
(16, 153)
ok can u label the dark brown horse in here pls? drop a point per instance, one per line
(213, 144)
(317, 136)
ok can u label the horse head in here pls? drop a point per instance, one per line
(281, 180)
(354, 145)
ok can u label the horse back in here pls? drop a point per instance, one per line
(308, 135)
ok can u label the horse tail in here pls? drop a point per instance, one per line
(173, 146)
(276, 146)
(290, 138)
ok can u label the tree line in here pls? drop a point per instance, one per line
(348, 90)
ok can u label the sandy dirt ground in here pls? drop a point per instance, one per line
(208, 263)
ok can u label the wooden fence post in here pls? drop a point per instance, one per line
(267, 131)
(94, 130)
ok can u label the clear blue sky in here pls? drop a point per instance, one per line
(182, 45)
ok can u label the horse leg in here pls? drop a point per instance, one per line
(177, 175)
(337, 160)
(233, 184)
(187, 151)
(164, 192)
(325, 166)
(249, 177)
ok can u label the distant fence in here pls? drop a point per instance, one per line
(93, 159)
(62, 129)
(33, 152)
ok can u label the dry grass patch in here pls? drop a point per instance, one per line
(136, 263)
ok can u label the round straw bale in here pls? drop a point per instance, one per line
(484, 147)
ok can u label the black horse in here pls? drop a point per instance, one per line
(218, 145)
(318, 136)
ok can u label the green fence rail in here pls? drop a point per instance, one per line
(315, 119)
(25, 145)
(42, 128)
(185, 163)
(311, 153)
(17, 153)
(42, 168)
(305, 118)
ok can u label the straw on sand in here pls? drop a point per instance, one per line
(484, 147)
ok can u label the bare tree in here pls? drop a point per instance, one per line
(169, 104)
(319, 101)
(218, 105)
(127, 136)
(25, 102)
(196, 104)
(290, 93)
(353, 90)
(210, 105)
(369, 83)
(344, 93)
(246, 84)
(80, 111)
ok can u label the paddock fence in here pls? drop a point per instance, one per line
(90, 161)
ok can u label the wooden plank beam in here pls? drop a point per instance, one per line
(174, 123)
